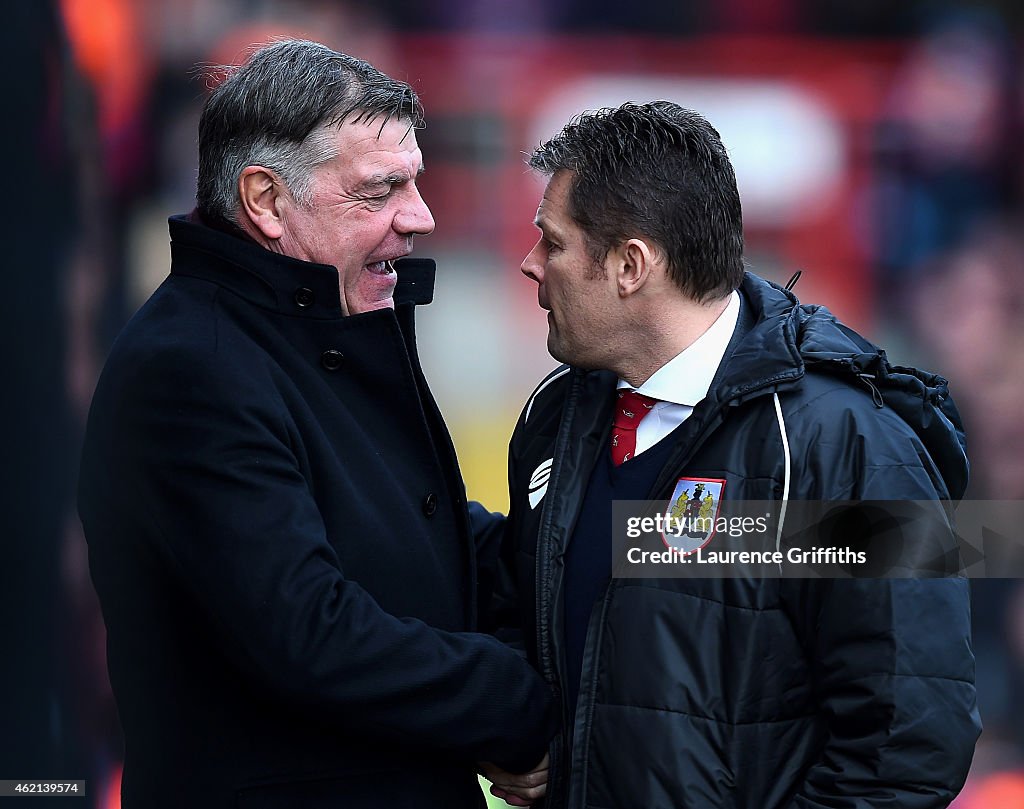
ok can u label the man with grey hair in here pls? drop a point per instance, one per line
(278, 529)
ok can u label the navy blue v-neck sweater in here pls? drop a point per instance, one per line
(588, 559)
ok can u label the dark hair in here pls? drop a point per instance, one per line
(654, 170)
(276, 110)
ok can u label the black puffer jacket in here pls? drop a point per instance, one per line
(755, 693)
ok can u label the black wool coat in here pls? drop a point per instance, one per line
(279, 536)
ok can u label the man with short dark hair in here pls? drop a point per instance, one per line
(277, 526)
(690, 382)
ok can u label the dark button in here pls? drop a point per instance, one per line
(332, 359)
(304, 297)
(430, 504)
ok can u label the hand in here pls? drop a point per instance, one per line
(517, 790)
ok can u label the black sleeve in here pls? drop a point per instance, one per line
(891, 659)
(894, 680)
(488, 529)
(503, 614)
(212, 470)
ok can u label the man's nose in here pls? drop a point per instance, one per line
(415, 217)
(532, 266)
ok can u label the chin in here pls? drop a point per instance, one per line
(573, 355)
(558, 351)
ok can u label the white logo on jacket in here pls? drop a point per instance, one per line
(539, 482)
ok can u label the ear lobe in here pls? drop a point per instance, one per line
(636, 262)
(260, 192)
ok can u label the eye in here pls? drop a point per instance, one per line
(379, 201)
(387, 188)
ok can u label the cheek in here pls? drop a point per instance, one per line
(372, 229)
(307, 236)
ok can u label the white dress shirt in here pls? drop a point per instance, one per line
(684, 380)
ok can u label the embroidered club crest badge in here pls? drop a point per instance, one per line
(692, 513)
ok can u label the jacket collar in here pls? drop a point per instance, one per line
(281, 283)
(768, 356)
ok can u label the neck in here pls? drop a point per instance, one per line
(663, 331)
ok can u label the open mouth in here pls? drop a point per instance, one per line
(381, 268)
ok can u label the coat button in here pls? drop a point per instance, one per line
(430, 504)
(304, 297)
(331, 359)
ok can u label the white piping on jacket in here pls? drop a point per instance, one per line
(543, 385)
(785, 481)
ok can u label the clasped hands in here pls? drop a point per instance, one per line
(520, 789)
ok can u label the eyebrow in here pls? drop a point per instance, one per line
(544, 225)
(376, 181)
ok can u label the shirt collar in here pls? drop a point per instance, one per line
(686, 378)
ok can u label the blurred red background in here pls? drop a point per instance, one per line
(876, 147)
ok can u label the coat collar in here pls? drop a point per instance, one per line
(768, 356)
(286, 285)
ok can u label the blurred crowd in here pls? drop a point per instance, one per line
(902, 203)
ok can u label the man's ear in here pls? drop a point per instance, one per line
(635, 261)
(260, 191)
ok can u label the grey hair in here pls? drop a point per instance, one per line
(280, 110)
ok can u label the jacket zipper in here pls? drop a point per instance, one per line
(585, 701)
(595, 627)
(548, 656)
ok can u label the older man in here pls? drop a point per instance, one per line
(686, 375)
(277, 526)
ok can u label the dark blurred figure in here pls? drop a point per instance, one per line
(41, 220)
(943, 148)
(950, 254)
(970, 315)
